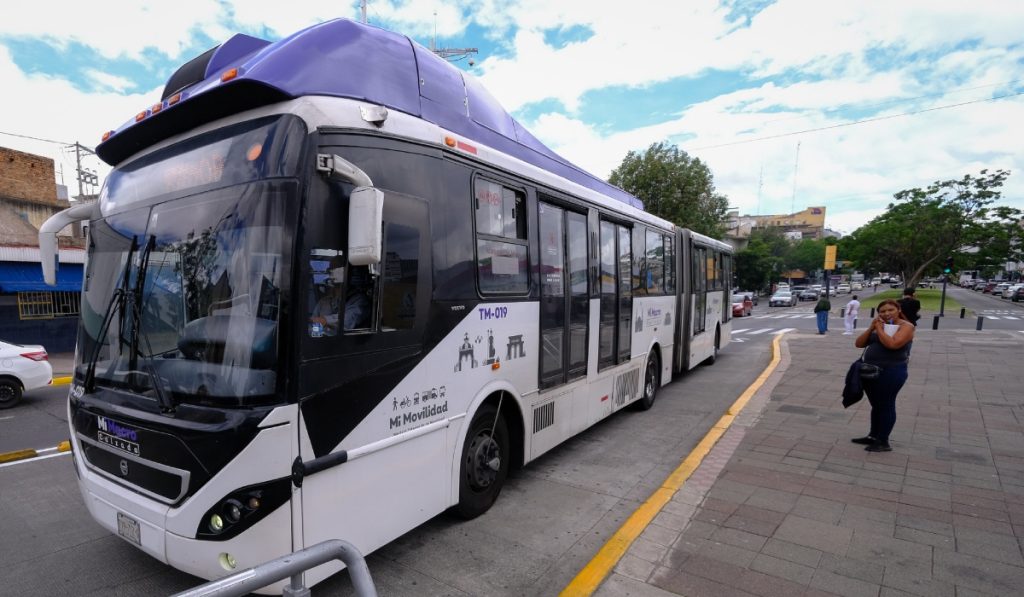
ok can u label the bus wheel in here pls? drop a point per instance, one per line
(714, 356)
(10, 393)
(646, 401)
(485, 459)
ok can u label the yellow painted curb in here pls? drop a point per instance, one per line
(597, 569)
(17, 455)
(61, 381)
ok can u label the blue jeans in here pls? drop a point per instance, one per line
(822, 321)
(882, 396)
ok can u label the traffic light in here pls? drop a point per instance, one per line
(948, 267)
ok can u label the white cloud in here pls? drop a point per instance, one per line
(108, 82)
(118, 27)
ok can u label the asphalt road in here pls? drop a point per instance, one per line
(551, 517)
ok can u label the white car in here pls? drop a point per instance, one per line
(843, 289)
(22, 368)
(782, 298)
(1000, 288)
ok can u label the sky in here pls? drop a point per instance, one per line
(791, 103)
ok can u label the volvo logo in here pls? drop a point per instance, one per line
(124, 468)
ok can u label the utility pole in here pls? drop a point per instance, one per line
(84, 175)
(796, 164)
(362, 7)
(450, 54)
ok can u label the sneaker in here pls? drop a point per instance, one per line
(867, 440)
(879, 447)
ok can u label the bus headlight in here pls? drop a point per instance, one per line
(242, 508)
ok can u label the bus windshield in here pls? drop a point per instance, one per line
(184, 298)
(182, 291)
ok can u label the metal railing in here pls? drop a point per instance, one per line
(293, 565)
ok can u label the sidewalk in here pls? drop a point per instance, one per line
(786, 505)
(63, 363)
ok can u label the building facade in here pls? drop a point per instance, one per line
(806, 224)
(30, 311)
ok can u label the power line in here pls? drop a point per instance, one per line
(862, 121)
(36, 138)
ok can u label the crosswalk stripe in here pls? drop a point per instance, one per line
(740, 331)
(991, 317)
(783, 331)
(1010, 317)
(760, 331)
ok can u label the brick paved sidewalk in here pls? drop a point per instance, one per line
(786, 505)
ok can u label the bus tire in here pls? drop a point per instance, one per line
(10, 392)
(484, 463)
(650, 389)
(714, 356)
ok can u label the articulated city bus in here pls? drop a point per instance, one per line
(333, 289)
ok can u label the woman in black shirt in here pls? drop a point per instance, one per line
(889, 350)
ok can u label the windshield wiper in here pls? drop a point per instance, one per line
(117, 299)
(166, 404)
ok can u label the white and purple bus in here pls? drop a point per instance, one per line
(333, 289)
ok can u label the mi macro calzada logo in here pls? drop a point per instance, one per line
(117, 436)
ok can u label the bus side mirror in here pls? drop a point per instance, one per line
(365, 226)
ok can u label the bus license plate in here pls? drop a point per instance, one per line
(128, 528)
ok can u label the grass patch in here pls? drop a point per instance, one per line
(929, 298)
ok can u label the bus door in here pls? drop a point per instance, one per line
(699, 284)
(364, 337)
(564, 295)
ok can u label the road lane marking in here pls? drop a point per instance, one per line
(36, 459)
(784, 330)
(760, 331)
(589, 579)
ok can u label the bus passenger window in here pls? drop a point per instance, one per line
(655, 264)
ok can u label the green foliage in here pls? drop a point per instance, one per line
(924, 226)
(674, 186)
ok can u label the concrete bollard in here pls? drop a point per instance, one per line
(980, 321)
(935, 322)
(872, 312)
(842, 312)
(963, 312)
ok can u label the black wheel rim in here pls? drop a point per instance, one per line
(649, 381)
(483, 461)
(6, 393)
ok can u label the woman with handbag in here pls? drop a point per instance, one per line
(886, 343)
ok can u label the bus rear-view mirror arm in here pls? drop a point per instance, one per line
(365, 209)
(48, 254)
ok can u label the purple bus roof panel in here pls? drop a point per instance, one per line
(486, 110)
(344, 59)
(439, 82)
(233, 52)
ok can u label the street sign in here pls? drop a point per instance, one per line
(830, 258)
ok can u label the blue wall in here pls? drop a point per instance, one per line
(56, 335)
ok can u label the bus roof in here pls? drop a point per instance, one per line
(339, 58)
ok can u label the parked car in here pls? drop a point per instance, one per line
(999, 288)
(782, 298)
(987, 288)
(843, 289)
(742, 306)
(22, 368)
(808, 294)
(1018, 295)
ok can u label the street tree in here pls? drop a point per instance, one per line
(764, 257)
(675, 186)
(924, 226)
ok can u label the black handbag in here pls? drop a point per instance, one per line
(869, 371)
(853, 391)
